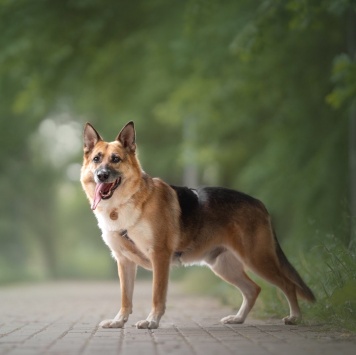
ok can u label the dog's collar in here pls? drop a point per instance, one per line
(124, 234)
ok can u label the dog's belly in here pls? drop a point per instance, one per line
(182, 259)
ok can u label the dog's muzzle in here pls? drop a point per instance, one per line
(107, 182)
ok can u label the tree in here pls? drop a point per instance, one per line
(265, 86)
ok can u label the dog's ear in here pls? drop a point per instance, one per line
(127, 137)
(91, 137)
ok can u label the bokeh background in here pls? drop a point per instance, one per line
(256, 95)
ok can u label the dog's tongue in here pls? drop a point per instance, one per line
(97, 195)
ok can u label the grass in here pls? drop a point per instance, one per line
(334, 282)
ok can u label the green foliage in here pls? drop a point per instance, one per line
(253, 93)
(336, 284)
(344, 77)
(329, 269)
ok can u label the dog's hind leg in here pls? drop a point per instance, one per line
(267, 268)
(228, 267)
(259, 254)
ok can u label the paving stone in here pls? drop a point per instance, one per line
(62, 319)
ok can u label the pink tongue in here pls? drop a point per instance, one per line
(97, 196)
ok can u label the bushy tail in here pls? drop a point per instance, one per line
(291, 273)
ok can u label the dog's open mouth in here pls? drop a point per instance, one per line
(104, 191)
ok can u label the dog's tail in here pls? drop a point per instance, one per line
(292, 274)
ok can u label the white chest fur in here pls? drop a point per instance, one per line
(113, 220)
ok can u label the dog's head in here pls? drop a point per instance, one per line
(107, 165)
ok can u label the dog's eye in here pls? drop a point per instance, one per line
(115, 159)
(96, 159)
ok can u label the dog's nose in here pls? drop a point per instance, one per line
(103, 174)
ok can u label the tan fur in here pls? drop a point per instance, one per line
(148, 210)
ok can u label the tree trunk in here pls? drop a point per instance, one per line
(190, 171)
(352, 130)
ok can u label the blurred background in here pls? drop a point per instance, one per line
(255, 95)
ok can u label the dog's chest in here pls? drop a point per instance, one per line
(125, 232)
(113, 219)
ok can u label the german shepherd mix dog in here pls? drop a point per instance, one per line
(146, 222)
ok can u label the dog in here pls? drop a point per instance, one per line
(149, 223)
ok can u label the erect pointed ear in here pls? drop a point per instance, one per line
(91, 137)
(127, 137)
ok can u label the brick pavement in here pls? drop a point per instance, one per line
(62, 318)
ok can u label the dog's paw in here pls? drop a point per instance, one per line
(112, 323)
(232, 320)
(147, 324)
(291, 320)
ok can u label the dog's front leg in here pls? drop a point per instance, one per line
(160, 267)
(127, 273)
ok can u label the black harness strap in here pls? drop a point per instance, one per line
(124, 234)
(178, 254)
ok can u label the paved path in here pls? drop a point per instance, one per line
(62, 318)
